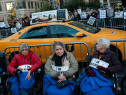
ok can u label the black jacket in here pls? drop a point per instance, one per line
(114, 64)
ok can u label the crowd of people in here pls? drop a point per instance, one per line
(85, 14)
(20, 23)
(76, 15)
(60, 68)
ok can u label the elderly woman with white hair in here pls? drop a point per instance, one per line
(104, 63)
(26, 62)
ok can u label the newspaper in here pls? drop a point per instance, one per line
(97, 62)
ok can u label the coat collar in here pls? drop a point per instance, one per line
(103, 55)
(27, 56)
(107, 51)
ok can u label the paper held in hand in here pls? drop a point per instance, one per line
(97, 62)
(25, 67)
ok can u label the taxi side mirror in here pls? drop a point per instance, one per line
(80, 34)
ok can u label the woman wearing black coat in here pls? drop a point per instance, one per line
(105, 54)
(98, 75)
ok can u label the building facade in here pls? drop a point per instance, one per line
(7, 7)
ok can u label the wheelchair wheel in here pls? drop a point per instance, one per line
(123, 86)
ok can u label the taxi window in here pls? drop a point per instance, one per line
(62, 31)
(34, 33)
(85, 27)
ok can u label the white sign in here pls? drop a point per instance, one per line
(48, 16)
(119, 14)
(91, 20)
(60, 69)
(44, 16)
(79, 11)
(4, 24)
(124, 15)
(13, 30)
(97, 62)
(102, 13)
(25, 67)
(83, 15)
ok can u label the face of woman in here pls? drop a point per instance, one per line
(59, 50)
(99, 46)
(24, 51)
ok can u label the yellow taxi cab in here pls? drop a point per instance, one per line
(69, 31)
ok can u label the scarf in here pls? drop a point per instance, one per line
(58, 59)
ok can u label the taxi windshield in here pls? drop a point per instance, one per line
(85, 27)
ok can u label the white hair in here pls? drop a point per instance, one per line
(23, 46)
(104, 41)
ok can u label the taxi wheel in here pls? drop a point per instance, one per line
(117, 51)
(12, 55)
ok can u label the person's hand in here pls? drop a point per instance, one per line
(28, 75)
(90, 72)
(105, 70)
(61, 78)
(18, 70)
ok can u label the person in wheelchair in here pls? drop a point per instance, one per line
(98, 74)
(59, 71)
(25, 62)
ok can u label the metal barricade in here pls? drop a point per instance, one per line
(100, 23)
(117, 23)
(5, 33)
(79, 49)
(123, 73)
(114, 23)
(124, 44)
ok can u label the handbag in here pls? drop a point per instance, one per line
(62, 84)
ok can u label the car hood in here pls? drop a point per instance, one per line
(112, 33)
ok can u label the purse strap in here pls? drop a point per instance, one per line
(30, 60)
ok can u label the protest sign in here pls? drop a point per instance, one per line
(13, 30)
(119, 14)
(102, 13)
(91, 20)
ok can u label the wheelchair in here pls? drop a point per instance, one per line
(4, 76)
(4, 86)
(36, 89)
(123, 86)
(115, 86)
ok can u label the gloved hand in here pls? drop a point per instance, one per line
(105, 70)
(90, 72)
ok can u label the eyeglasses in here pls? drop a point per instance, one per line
(24, 50)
